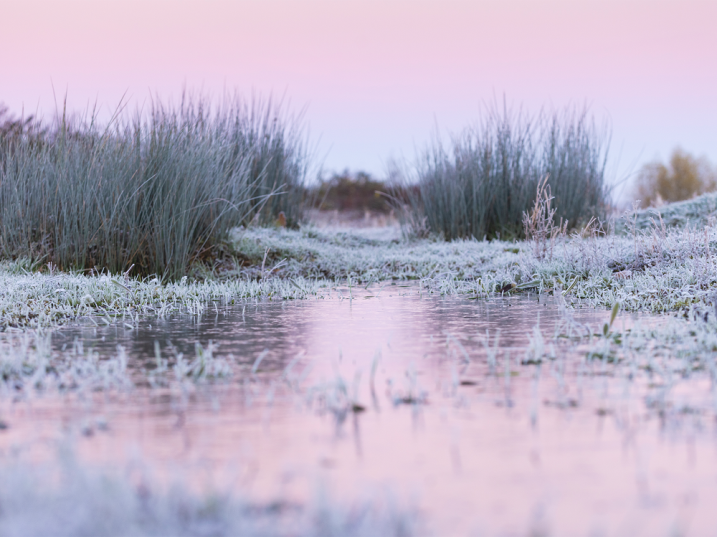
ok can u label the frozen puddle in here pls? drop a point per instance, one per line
(457, 407)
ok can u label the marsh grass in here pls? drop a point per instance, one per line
(483, 183)
(695, 213)
(42, 300)
(658, 269)
(153, 192)
(653, 270)
(29, 365)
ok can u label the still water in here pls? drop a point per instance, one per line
(435, 399)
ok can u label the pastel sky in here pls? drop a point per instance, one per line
(376, 77)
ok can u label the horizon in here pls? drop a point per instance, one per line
(377, 79)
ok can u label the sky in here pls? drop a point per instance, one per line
(375, 80)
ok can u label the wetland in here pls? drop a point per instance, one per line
(417, 396)
(184, 352)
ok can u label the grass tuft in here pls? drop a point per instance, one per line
(483, 183)
(155, 192)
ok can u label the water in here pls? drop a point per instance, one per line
(427, 397)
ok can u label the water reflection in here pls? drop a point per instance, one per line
(402, 321)
(430, 396)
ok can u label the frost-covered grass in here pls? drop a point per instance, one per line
(43, 299)
(655, 270)
(697, 212)
(29, 365)
(487, 176)
(665, 365)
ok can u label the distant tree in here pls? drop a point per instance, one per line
(684, 177)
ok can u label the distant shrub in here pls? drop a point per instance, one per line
(683, 178)
(351, 192)
(488, 178)
(157, 192)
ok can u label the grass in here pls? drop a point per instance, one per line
(31, 299)
(653, 270)
(695, 213)
(656, 270)
(483, 183)
(660, 368)
(152, 193)
(29, 365)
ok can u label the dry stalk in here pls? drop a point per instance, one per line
(539, 224)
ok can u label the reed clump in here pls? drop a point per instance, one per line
(482, 184)
(154, 191)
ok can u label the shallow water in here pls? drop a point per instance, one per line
(478, 441)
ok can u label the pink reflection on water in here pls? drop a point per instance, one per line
(514, 449)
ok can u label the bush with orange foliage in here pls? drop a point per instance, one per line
(684, 177)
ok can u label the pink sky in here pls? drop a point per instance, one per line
(377, 76)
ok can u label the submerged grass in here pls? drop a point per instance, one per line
(487, 179)
(154, 192)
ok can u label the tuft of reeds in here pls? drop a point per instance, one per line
(483, 183)
(155, 191)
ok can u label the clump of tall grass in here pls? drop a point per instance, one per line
(483, 183)
(156, 191)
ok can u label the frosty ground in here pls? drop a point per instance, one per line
(654, 264)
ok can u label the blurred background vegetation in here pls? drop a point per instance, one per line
(348, 191)
(683, 177)
(14, 128)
